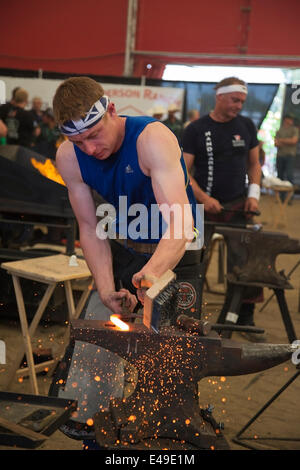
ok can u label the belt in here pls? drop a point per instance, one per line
(147, 248)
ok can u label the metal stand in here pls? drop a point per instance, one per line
(230, 314)
(288, 276)
(238, 439)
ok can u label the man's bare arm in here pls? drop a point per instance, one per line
(3, 129)
(211, 204)
(96, 251)
(288, 140)
(254, 177)
(159, 158)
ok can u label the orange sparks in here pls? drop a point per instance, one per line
(119, 323)
(132, 418)
(89, 422)
(223, 379)
(187, 421)
(97, 378)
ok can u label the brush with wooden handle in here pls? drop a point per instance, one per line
(161, 297)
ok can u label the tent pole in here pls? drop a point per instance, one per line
(130, 37)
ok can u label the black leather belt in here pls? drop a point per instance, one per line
(147, 248)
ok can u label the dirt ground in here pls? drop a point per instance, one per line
(235, 399)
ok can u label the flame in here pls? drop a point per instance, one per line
(119, 323)
(48, 169)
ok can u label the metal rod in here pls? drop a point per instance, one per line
(253, 227)
(241, 211)
(279, 392)
(194, 55)
(29, 222)
(285, 314)
(245, 328)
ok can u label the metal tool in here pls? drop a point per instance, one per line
(164, 404)
(241, 211)
(255, 266)
(160, 300)
(203, 327)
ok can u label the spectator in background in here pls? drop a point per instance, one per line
(222, 149)
(13, 93)
(36, 109)
(193, 115)
(286, 140)
(157, 112)
(46, 141)
(19, 122)
(174, 124)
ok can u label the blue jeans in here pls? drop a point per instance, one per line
(285, 169)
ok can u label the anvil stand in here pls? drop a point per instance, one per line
(238, 439)
(272, 295)
(230, 313)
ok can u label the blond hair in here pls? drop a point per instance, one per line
(74, 97)
(229, 81)
(21, 96)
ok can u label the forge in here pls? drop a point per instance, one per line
(163, 411)
(33, 199)
(31, 193)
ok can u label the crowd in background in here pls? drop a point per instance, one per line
(36, 129)
(33, 128)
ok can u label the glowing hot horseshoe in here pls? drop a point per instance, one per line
(119, 323)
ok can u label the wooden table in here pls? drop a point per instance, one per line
(50, 270)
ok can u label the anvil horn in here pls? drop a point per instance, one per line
(243, 358)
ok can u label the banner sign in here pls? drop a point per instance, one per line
(131, 100)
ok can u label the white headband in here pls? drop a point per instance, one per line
(92, 117)
(232, 89)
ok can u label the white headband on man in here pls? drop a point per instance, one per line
(232, 89)
(92, 117)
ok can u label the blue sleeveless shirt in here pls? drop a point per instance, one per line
(120, 181)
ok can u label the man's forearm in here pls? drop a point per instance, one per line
(3, 129)
(200, 195)
(98, 256)
(254, 173)
(166, 256)
(288, 140)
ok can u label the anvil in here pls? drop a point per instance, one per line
(255, 256)
(164, 403)
(253, 264)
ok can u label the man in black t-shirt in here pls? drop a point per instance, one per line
(19, 122)
(222, 150)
